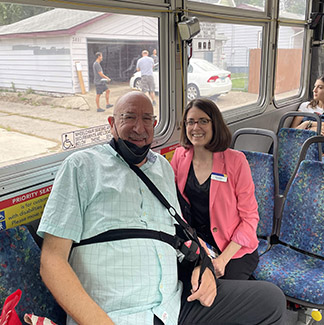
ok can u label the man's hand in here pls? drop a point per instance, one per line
(205, 291)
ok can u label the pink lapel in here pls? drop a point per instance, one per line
(183, 169)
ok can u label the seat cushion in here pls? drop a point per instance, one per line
(298, 275)
(263, 245)
(302, 219)
(19, 269)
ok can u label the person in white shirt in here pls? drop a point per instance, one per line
(145, 65)
(316, 105)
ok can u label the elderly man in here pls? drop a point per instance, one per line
(132, 281)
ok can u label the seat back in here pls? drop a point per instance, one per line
(302, 223)
(19, 269)
(265, 177)
(290, 142)
(261, 165)
(289, 145)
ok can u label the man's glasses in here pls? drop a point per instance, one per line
(129, 118)
(201, 121)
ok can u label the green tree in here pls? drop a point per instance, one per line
(259, 3)
(293, 6)
(11, 13)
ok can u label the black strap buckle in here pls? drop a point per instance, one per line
(190, 250)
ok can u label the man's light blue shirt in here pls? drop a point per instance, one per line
(95, 191)
(145, 64)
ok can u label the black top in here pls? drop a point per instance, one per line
(198, 196)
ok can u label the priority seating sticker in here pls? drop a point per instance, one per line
(23, 208)
(168, 152)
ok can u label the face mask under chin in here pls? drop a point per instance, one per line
(131, 152)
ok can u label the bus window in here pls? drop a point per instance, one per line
(226, 64)
(289, 62)
(47, 91)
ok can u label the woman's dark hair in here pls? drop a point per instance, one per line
(313, 103)
(222, 137)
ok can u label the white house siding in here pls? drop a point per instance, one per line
(79, 53)
(290, 38)
(48, 63)
(240, 39)
(40, 64)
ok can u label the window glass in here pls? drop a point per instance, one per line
(47, 91)
(256, 5)
(289, 61)
(293, 9)
(225, 65)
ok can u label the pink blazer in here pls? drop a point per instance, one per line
(232, 205)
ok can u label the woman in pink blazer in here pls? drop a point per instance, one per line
(217, 190)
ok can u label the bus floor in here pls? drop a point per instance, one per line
(301, 317)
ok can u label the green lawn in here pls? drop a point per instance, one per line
(240, 81)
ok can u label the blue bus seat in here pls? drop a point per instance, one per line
(290, 142)
(261, 165)
(19, 269)
(264, 170)
(296, 263)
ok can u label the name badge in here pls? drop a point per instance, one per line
(219, 177)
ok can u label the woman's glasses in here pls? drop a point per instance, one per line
(201, 121)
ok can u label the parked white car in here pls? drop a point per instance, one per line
(204, 79)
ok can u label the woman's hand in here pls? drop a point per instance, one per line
(314, 127)
(310, 125)
(221, 261)
(304, 125)
(219, 266)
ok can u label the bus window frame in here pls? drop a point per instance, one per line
(41, 170)
(259, 106)
(269, 16)
(305, 64)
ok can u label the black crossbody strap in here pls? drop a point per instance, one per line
(163, 200)
(190, 232)
(120, 234)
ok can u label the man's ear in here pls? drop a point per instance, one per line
(111, 121)
(155, 122)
